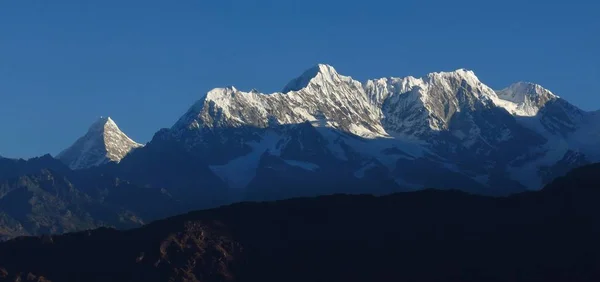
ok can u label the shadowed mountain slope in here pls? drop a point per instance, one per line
(431, 235)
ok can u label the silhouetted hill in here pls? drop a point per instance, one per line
(431, 235)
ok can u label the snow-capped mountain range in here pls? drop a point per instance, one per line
(444, 130)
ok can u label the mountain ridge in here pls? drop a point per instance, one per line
(450, 112)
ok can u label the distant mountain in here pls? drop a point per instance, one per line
(549, 235)
(43, 196)
(104, 142)
(13, 168)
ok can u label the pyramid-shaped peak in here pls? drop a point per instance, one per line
(325, 69)
(319, 73)
(103, 124)
(108, 120)
(103, 120)
(104, 142)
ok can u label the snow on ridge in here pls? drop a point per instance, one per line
(302, 100)
(358, 108)
(323, 74)
(318, 93)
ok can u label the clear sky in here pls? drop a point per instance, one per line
(65, 63)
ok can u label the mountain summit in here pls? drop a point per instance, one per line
(104, 142)
(318, 74)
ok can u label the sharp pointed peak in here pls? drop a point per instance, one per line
(103, 120)
(104, 142)
(324, 68)
(102, 123)
(322, 72)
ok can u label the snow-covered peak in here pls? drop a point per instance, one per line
(104, 124)
(521, 91)
(221, 95)
(524, 98)
(319, 74)
(104, 142)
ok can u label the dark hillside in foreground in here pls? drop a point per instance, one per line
(430, 235)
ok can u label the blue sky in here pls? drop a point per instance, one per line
(64, 63)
